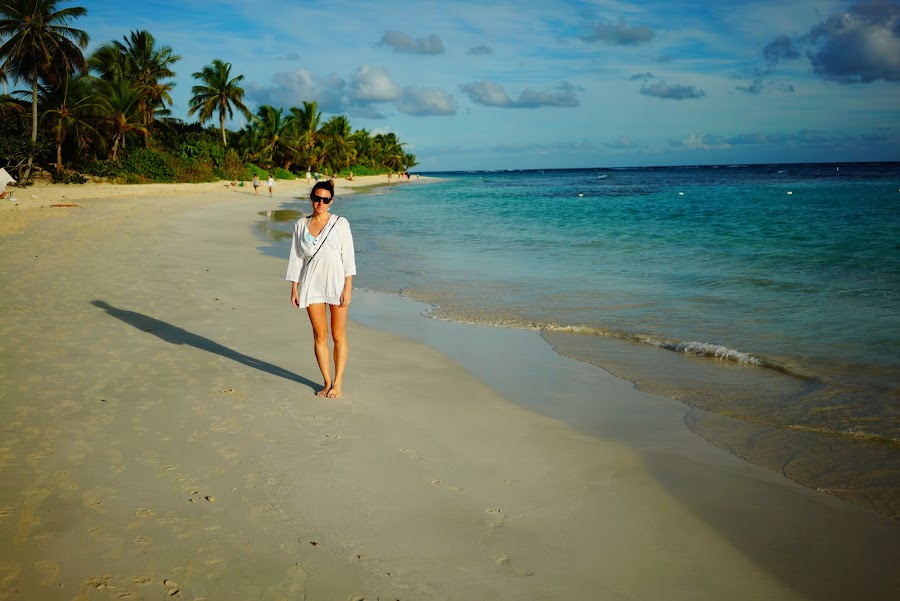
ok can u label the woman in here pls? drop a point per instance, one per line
(321, 269)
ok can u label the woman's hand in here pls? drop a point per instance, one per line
(295, 298)
(345, 297)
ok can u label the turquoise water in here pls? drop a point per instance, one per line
(767, 295)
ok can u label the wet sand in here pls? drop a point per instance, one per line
(160, 438)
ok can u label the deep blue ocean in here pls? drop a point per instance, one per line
(763, 296)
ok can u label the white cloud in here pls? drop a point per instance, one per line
(373, 84)
(426, 101)
(292, 88)
(490, 93)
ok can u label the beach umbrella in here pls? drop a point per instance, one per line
(5, 178)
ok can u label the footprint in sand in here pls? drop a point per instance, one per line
(149, 458)
(9, 573)
(411, 454)
(145, 513)
(197, 497)
(29, 517)
(50, 570)
(496, 518)
(229, 452)
(167, 469)
(99, 582)
(296, 582)
(172, 589)
(504, 560)
(437, 483)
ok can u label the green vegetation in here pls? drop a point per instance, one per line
(107, 115)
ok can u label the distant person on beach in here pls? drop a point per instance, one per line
(308, 177)
(271, 184)
(256, 184)
(321, 267)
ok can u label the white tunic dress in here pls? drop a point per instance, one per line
(321, 263)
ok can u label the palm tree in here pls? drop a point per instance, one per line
(365, 147)
(72, 106)
(409, 161)
(390, 151)
(305, 127)
(107, 62)
(251, 146)
(40, 45)
(218, 92)
(122, 114)
(271, 126)
(141, 60)
(340, 149)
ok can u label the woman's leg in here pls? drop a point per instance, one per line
(319, 320)
(341, 349)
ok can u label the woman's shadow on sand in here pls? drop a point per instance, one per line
(175, 335)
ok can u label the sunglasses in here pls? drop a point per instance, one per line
(322, 199)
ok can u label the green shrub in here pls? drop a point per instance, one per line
(250, 170)
(133, 178)
(102, 169)
(231, 167)
(357, 170)
(197, 171)
(279, 173)
(151, 165)
(68, 177)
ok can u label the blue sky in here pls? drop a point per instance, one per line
(568, 83)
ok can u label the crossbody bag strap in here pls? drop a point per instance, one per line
(324, 239)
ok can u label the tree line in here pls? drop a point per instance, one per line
(108, 114)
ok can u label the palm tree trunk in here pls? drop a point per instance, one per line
(59, 142)
(34, 128)
(222, 127)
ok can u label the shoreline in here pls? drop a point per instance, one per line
(42, 201)
(778, 416)
(160, 419)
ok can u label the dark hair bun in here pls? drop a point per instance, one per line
(325, 184)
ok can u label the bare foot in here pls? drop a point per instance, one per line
(334, 392)
(324, 392)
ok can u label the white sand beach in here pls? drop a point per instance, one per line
(160, 438)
